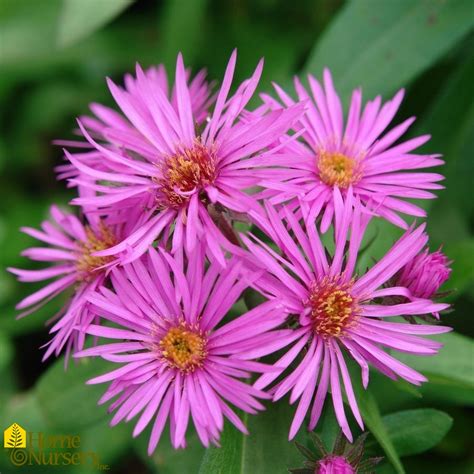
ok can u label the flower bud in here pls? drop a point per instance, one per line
(424, 274)
(334, 465)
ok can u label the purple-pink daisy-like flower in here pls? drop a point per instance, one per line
(357, 155)
(71, 249)
(188, 174)
(111, 127)
(180, 360)
(336, 310)
(424, 274)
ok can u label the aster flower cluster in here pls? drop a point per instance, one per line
(154, 263)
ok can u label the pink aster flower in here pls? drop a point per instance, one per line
(180, 360)
(187, 175)
(359, 154)
(117, 131)
(71, 245)
(424, 274)
(337, 311)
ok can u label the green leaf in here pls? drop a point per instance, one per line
(327, 429)
(450, 375)
(416, 431)
(166, 459)
(182, 26)
(6, 351)
(453, 364)
(265, 450)
(450, 109)
(24, 410)
(382, 45)
(27, 29)
(392, 395)
(65, 398)
(450, 120)
(447, 225)
(109, 443)
(372, 418)
(80, 18)
(230, 457)
(463, 265)
(406, 387)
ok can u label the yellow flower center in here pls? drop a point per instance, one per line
(333, 308)
(188, 169)
(183, 348)
(337, 169)
(87, 262)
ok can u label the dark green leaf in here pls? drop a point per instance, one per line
(453, 364)
(450, 120)
(166, 459)
(230, 457)
(265, 450)
(65, 398)
(373, 420)
(27, 28)
(447, 225)
(80, 18)
(382, 45)
(326, 432)
(415, 431)
(109, 443)
(406, 387)
(24, 410)
(463, 265)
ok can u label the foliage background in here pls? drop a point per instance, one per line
(54, 55)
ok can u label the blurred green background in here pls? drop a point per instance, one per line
(54, 56)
